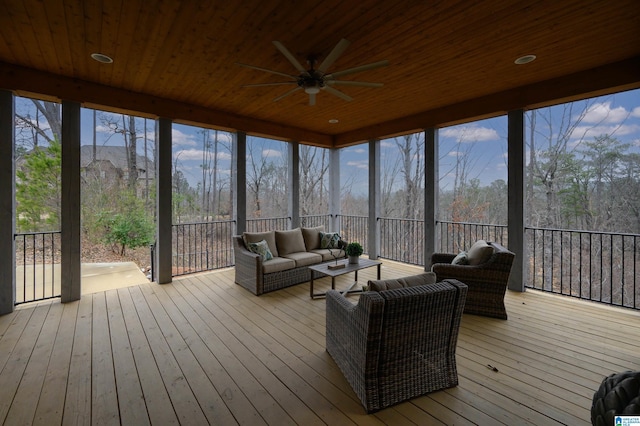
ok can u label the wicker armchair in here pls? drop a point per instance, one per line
(487, 281)
(396, 344)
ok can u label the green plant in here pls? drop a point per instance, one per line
(354, 249)
(127, 230)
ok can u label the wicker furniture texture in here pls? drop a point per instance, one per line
(619, 394)
(396, 344)
(284, 270)
(487, 281)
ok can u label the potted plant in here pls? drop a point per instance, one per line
(353, 250)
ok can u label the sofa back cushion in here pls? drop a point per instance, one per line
(290, 242)
(393, 283)
(256, 237)
(312, 237)
(479, 253)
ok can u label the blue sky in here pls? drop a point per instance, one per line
(483, 142)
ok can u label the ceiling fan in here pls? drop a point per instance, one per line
(315, 79)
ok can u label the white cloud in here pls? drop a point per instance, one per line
(196, 154)
(179, 138)
(454, 153)
(470, 133)
(636, 112)
(603, 113)
(589, 132)
(364, 165)
(271, 153)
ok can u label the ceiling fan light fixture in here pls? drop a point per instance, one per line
(312, 90)
(525, 59)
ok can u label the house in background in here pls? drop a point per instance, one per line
(110, 164)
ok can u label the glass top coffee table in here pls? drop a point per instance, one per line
(323, 269)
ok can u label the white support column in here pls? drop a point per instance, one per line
(431, 190)
(374, 199)
(516, 204)
(293, 176)
(7, 204)
(239, 182)
(334, 190)
(70, 204)
(164, 217)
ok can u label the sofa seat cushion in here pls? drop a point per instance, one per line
(479, 253)
(290, 241)
(312, 237)
(326, 254)
(394, 283)
(256, 237)
(304, 258)
(277, 264)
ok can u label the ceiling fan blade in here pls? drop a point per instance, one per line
(352, 83)
(290, 57)
(358, 69)
(312, 99)
(267, 70)
(268, 84)
(335, 53)
(286, 94)
(338, 93)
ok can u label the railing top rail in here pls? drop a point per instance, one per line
(21, 234)
(399, 218)
(471, 223)
(576, 231)
(204, 223)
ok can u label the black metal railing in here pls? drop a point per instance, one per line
(402, 240)
(311, 221)
(457, 236)
(597, 266)
(37, 266)
(268, 224)
(202, 246)
(355, 228)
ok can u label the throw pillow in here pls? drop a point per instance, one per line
(254, 237)
(261, 248)
(479, 253)
(329, 240)
(461, 259)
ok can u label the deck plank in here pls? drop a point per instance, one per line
(133, 410)
(51, 403)
(204, 350)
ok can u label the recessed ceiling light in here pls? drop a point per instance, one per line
(525, 59)
(333, 121)
(101, 58)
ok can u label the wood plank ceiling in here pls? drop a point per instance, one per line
(449, 61)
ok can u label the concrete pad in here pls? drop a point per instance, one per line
(95, 277)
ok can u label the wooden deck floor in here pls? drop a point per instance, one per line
(203, 350)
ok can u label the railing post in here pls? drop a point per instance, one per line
(516, 204)
(163, 202)
(430, 194)
(374, 200)
(7, 204)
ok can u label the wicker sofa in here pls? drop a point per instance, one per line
(487, 278)
(397, 344)
(293, 252)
